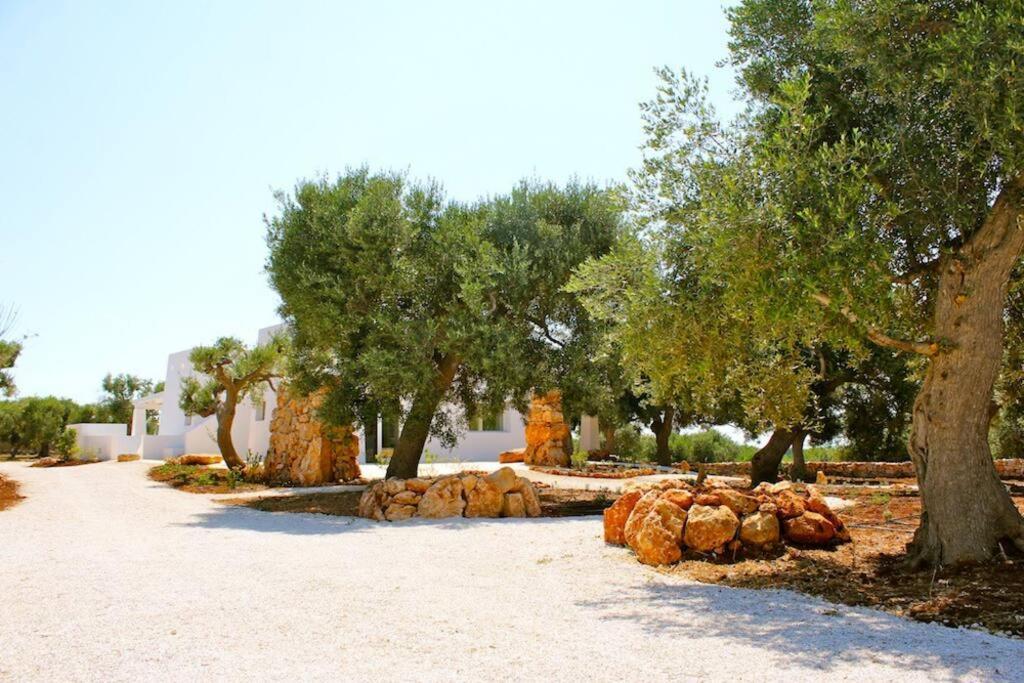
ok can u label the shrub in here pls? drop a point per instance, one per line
(66, 444)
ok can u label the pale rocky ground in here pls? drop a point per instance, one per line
(105, 575)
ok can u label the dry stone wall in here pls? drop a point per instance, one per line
(1007, 469)
(305, 451)
(498, 494)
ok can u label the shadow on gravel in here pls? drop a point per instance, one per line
(810, 632)
(309, 524)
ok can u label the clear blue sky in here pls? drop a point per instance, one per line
(140, 142)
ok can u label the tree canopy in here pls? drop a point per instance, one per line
(397, 296)
(229, 372)
(869, 196)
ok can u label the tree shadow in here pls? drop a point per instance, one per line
(811, 632)
(315, 524)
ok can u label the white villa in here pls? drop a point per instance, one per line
(179, 433)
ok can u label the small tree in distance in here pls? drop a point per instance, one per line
(232, 372)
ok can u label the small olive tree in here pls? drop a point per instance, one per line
(231, 372)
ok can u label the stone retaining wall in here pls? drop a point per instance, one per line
(498, 494)
(661, 522)
(1007, 469)
(305, 451)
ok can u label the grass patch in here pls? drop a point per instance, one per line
(201, 479)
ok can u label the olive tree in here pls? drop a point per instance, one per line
(229, 372)
(397, 297)
(871, 195)
(9, 351)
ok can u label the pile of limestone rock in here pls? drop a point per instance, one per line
(498, 494)
(662, 522)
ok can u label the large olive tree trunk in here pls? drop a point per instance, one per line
(405, 461)
(662, 425)
(225, 420)
(764, 466)
(965, 509)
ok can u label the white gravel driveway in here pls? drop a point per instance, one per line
(107, 576)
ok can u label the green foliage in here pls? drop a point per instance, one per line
(397, 297)
(9, 351)
(229, 369)
(119, 393)
(708, 445)
(66, 444)
(34, 424)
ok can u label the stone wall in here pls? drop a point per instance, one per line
(1007, 469)
(662, 522)
(548, 440)
(498, 494)
(305, 451)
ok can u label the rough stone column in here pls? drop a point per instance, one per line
(548, 441)
(304, 450)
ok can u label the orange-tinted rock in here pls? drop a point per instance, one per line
(789, 504)
(304, 450)
(397, 512)
(680, 497)
(760, 529)
(514, 455)
(737, 502)
(442, 499)
(709, 527)
(371, 503)
(513, 505)
(815, 502)
(485, 500)
(406, 498)
(657, 541)
(505, 479)
(615, 517)
(548, 440)
(418, 485)
(531, 501)
(708, 499)
(809, 528)
(636, 516)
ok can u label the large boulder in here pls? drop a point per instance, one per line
(737, 502)
(789, 504)
(513, 505)
(637, 514)
(815, 502)
(484, 500)
(505, 479)
(531, 501)
(371, 503)
(708, 528)
(657, 541)
(680, 497)
(809, 528)
(615, 517)
(760, 529)
(442, 499)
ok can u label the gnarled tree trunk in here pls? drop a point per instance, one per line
(662, 428)
(225, 420)
(965, 509)
(764, 466)
(405, 461)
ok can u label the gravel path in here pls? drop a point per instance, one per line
(107, 576)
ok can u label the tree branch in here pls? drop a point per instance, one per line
(876, 335)
(917, 272)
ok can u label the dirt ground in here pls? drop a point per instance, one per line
(200, 479)
(867, 572)
(9, 496)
